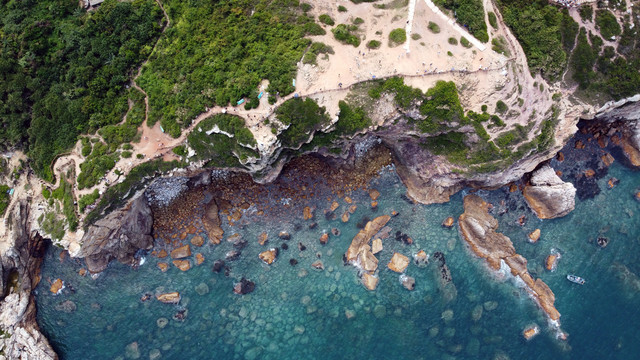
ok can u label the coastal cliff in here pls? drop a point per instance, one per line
(20, 270)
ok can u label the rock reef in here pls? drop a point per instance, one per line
(478, 229)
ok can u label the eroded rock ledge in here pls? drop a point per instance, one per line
(478, 228)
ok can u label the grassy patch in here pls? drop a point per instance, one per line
(326, 19)
(499, 45)
(453, 41)
(317, 48)
(374, 44)
(469, 14)
(464, 42)
(493, 20)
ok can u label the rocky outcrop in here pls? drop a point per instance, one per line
(478, 229)
(623, 118)
(363, 237)
(22, 339)
(548, 196)
(118, 235)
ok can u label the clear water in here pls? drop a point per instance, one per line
(297, 312)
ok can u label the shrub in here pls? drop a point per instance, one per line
(302, 117)
(86, 200)
(126, 154)
(484, 108)
(449, 53)
(499, 45)
(139, 156)
(501, 107)
(434, 27)
(397, 36)
(358, 21)
(453, 41)
(342, 8)
(464, 42)
(373, 44)
(305, 7)
(180, 150)
(415, 36)
(351, 120)
(326, 19)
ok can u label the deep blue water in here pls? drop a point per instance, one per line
(297, 312)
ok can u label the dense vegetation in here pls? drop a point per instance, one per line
(317, 48)
(302, 118)
(222, 140)
(469, 14)
(582, 61)
(607, 24)
(216, 53)
(539, 28)
(64, 194)
(4, 199)
(63, 70)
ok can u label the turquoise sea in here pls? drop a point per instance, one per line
(297, 312)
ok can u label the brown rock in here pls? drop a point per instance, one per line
(589, 173)
(529, 333)
(421, 257)
(215, 235)
(345, 216)
(534, 236)
(211, 222)
(268, 256)
(560, 157)
(236, 215)
(334, 206)
(548, 196)
(324, 239)
(197, 241)
(607, 159)
(394, 213)
(262, 238)
(353, 208)
(163, 266)
(513, 187)
(479, 231)
(611, 183)
(183, 265)
(551, 262)
(318, 265)
(374, 194)
(408, 282)
(307, 213)
(367, 261)
(630, 151)
(363, 236)
(637, 195)
(369, 281)
(169, 298)
(374, 204)
(199, 259)
(181, 252)
(162, 254)
(348, 200)
(191, 229)
(448, 222)
(56, 286)
(376, 245)
(398, 263)
(579, 144)
(603, 141)
(82, 272)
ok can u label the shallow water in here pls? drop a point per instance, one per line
(297, 312)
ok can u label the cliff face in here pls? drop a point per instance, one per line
(21, 273)
(622, 118)
(118, 235)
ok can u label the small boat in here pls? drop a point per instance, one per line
(575, 279)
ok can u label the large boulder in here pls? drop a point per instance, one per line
(118, 235)
(548, 196)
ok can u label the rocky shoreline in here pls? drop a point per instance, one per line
(121, 234)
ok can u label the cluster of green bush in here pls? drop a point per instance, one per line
(346, 34)
(607, 24)
(63, 70)
(218, 53)
(539, 28)
(87, 200)
(302, 118)
(326, 19)
(64, 194)
(4, 198)
(96, 165)
(222, 149)
(317, 48)
(469, 14)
